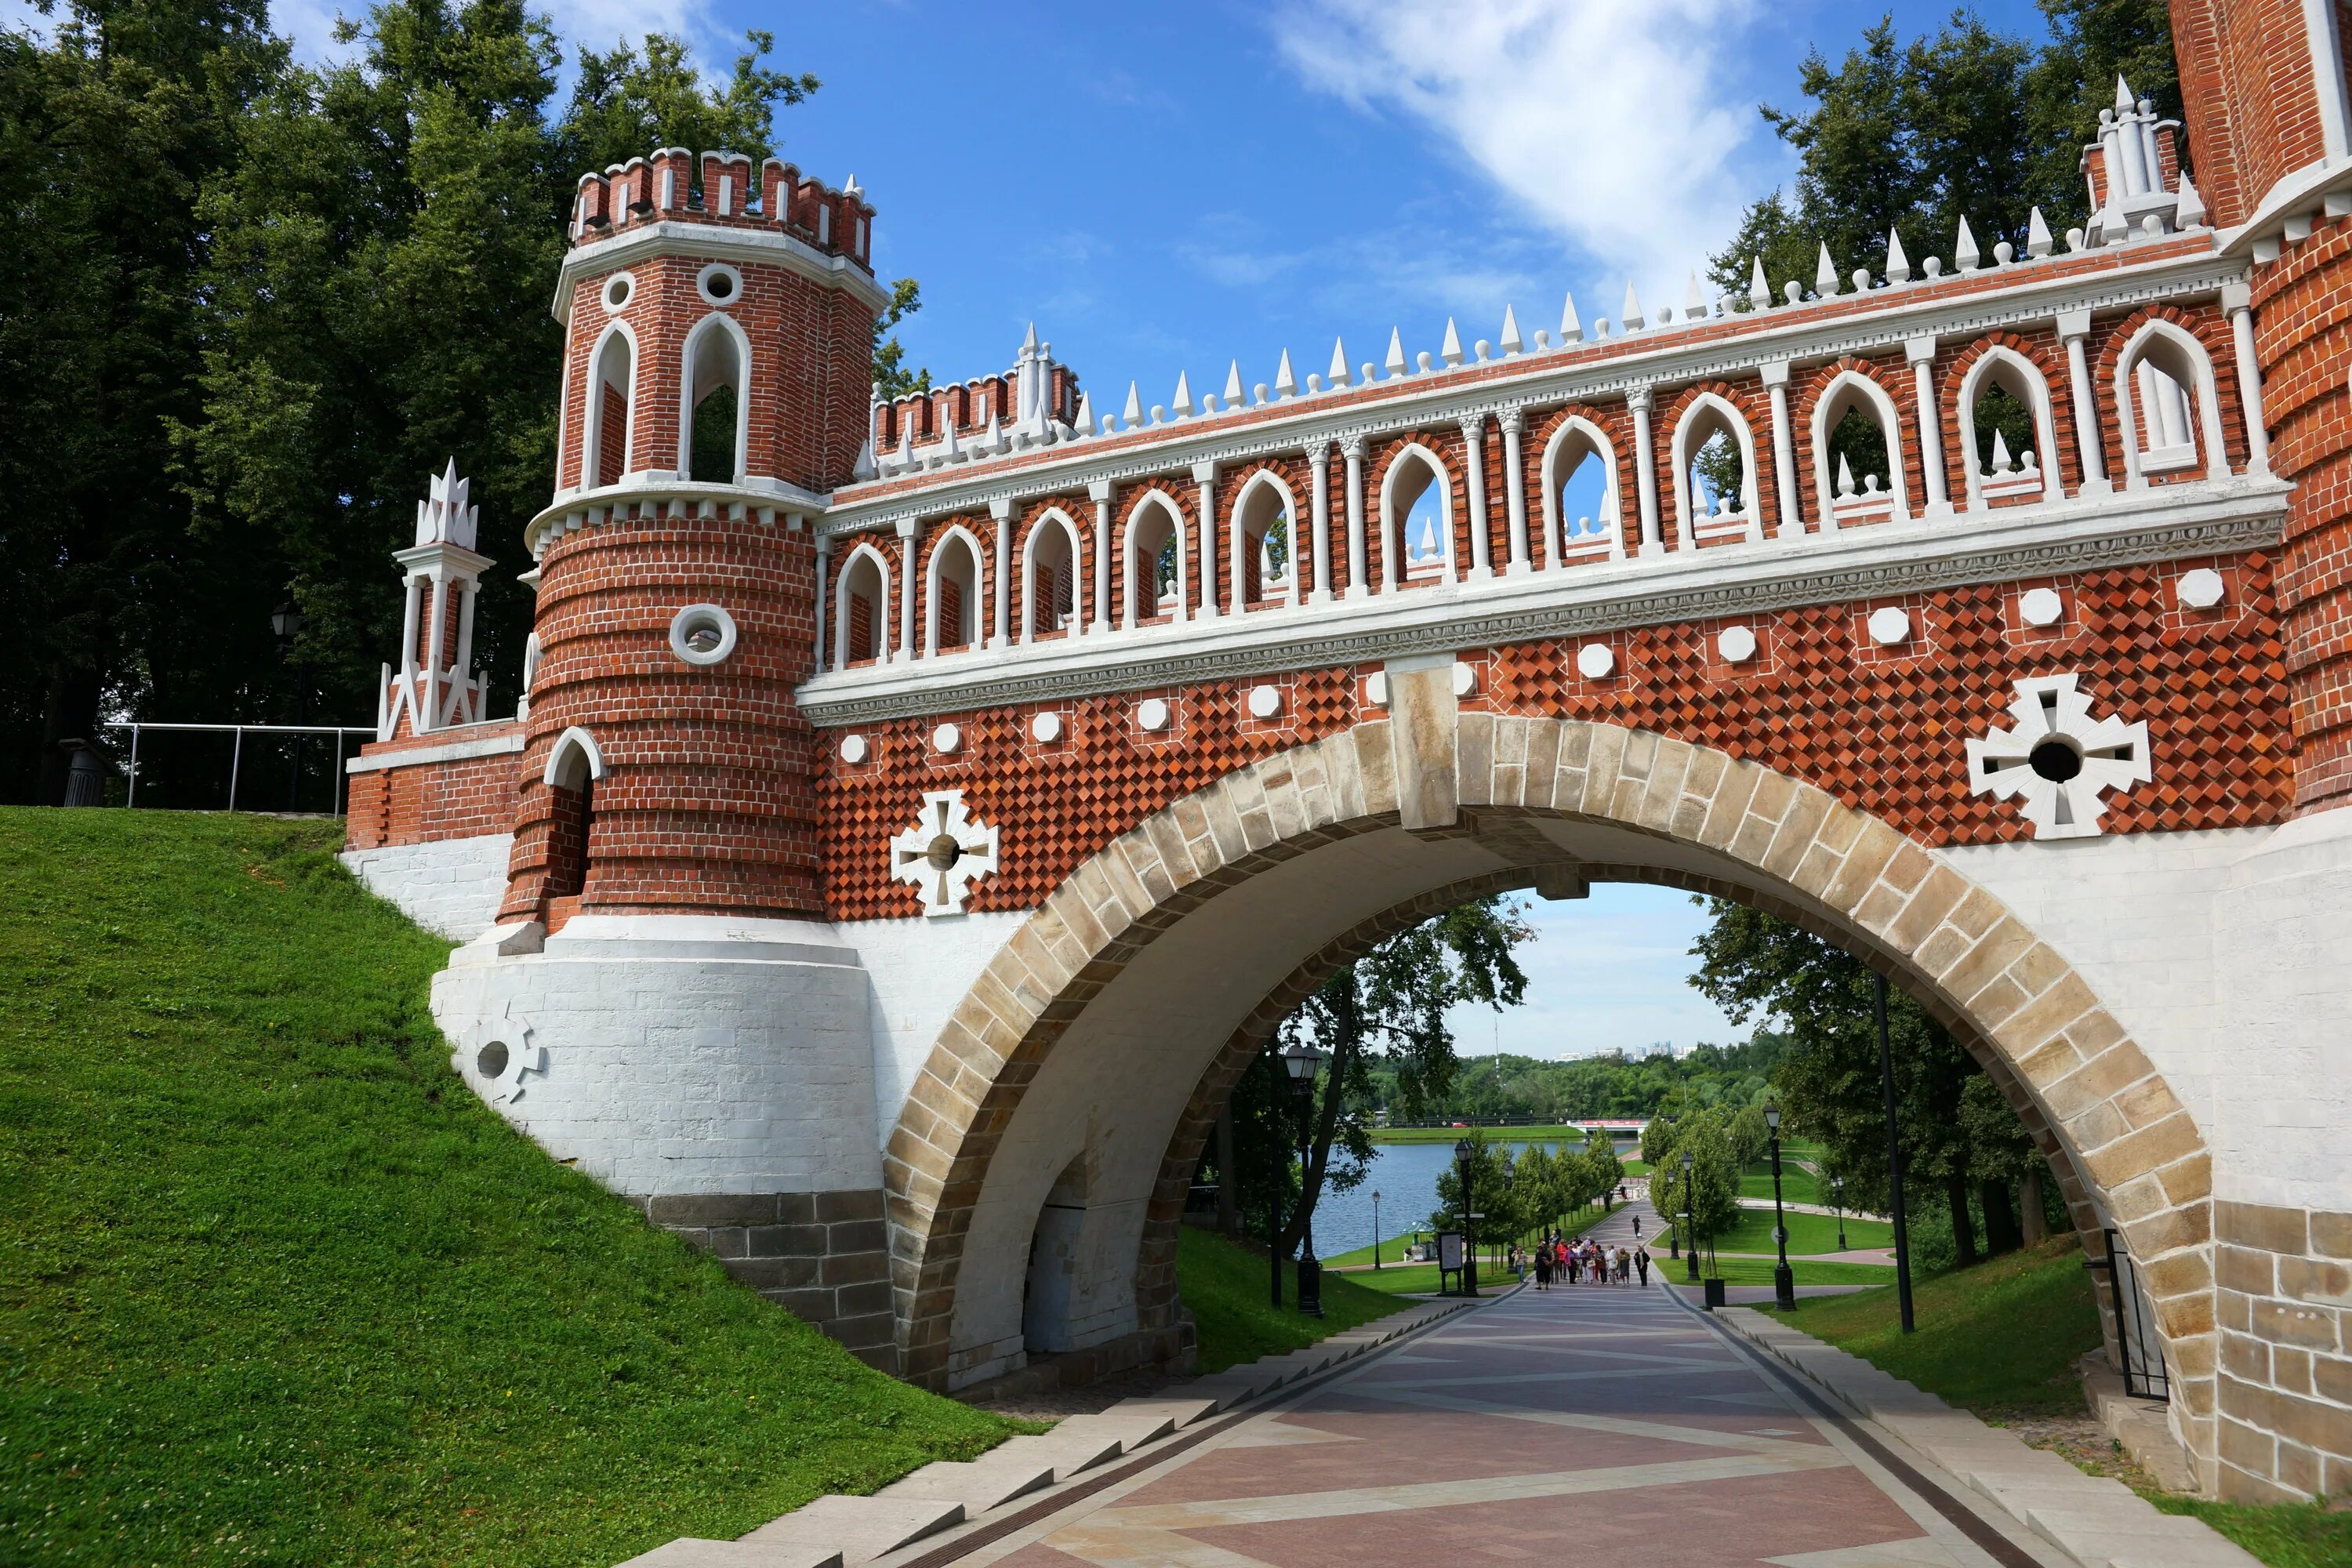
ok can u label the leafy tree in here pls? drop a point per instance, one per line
(1496, 1199)
(1750, 1135)
(1605, 1169)
(1394, 1000)
(1703, 1201)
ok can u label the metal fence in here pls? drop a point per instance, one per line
(2136, 1338)
(293, 768)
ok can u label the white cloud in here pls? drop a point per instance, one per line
(1617, 123)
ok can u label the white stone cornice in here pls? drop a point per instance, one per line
(714, 242)
(2168, 522)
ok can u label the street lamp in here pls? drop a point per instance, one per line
(1837, 1196)
(286, 621)
(1465, 1157)
(1690, 1217)
(1376, 1227)
(1304, 1062)
(1784, 1280)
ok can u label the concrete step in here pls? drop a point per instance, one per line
(1069, 1453)
(979, 1484)
(862, 1528)
(687, 1552)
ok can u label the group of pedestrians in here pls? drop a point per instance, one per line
(1568, 1262)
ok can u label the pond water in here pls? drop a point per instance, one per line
(1405, 1176)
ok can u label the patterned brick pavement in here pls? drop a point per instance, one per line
(1573, 1426)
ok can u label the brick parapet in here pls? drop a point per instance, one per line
(409, 790)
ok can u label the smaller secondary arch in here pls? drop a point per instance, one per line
(2002, 366)
(2166, 346)
(1578, 441)
(941, 574)
(1050, 561)
(717, 353)
(573, 758)
(861, 636)
(1412, 470)
(607, 457)
(1847, 390)
(1151, 522)
(1263, 501)
(1706, 413)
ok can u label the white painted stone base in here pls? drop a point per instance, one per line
(451, 886)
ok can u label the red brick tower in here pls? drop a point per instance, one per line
(716, 387)
(2270, 135)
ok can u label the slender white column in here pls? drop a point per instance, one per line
(409, 627)
(2074, 326)
(1922, 354)
(906, 586)
(1514, 488)
(1353, 448)
(1784, 453)
(1645, 472)
(1002, 511)
(1473, 443)
(1205, 475)
(823, 595)
(2238, 299)
(1099, 492)
(430, 710)
(1319, 538)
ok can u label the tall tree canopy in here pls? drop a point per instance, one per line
(250, 305)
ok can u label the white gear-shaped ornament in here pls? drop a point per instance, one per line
(944, 853)
(496, 1053)
(2058, 760)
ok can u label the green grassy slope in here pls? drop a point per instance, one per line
(1230, 1295)
(279, 1290)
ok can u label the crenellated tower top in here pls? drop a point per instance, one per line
(718, 188)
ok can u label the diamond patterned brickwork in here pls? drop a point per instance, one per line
(1881, 729)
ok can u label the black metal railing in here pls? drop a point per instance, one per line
(2137, 1345)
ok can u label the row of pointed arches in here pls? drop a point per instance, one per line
(1732, 458)
(714, 413)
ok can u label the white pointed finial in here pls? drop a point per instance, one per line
(2037, 234)
(1085, 425)
(1029, 344)
(1964, 252)
(1844, 477)
(1759, 291)
(1825, 279)
(850, 187)
(1571, 331)
(1285, 384)
(1429, 542)
(1694, 301)
(2123, 95)
(1396, 360)
(1512, 343)
(2191, 211)
(1132, 415)
(1898, 266)
(1999, 453)
(1183, 400)
(1339, 376)
(1631, 314)
(1234, 385)
(1450, 351)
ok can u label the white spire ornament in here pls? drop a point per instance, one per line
(1450, 351)
(1285, 384)
(1234, 385)
(1182, 404)
(1339, 376)
(1571, 331)
(1760, 291)
(1898, 266)
(1825, 279)
(1631, 314)
(1512, 343)
(1396, 361)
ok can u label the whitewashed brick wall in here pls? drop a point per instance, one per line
(450, 886)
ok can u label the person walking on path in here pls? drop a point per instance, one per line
(1543, 1266)
(1641, 1262)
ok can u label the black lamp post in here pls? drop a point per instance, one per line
(1376, 1228)
(1690, 1217)
(1837, 1196)
(1674, 1232)
(1784, 1279)
(285, 620)
(1510, 1170)
(1464, 1158)
(1304, 1062)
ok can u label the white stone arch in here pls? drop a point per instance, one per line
(1700, 418)
(845, 587)
(955, 536)
(1577, 439)
(601, 365)
(2003, 366)
(1846, 390)
(1409, 459)
(1266, 483)
(2168, 346)
(1140, 552)
(1053, 522)
(574, 758)
(717, 353)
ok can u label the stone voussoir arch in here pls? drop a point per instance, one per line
(2089, 1091)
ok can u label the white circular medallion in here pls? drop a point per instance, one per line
(1890, 626)
(1152, 713)
(720, 284)
(947, 738)
(702, 634)
(2200, 589)
(1735, 644)
(1465, 680)
(619, 290)
(1594, 660)
(2041, 606)
(854, 749)
(1047, 728)
(1264, 701)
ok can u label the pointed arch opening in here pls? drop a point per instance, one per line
(1269, 566)
(1715, 474)
(1858, 454)
(2009, 437)
(861, 604)
(1583, 519)
(714, 425)
(604, 449)
(1416, 521)
(952, 593)
(573, 765)
(2167, 408)
(1156, 571)
(1049, 578)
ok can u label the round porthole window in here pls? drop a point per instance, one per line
(619, 290)
(490, 1061)
(720, 284)
(702, 634)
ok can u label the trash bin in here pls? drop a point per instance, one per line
(1714, 1294)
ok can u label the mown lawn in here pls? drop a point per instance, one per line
(1807, 1232)
(2001, 1338)
(280, 1289)
(1230, 1294)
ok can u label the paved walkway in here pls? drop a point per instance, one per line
(1595, 1424)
